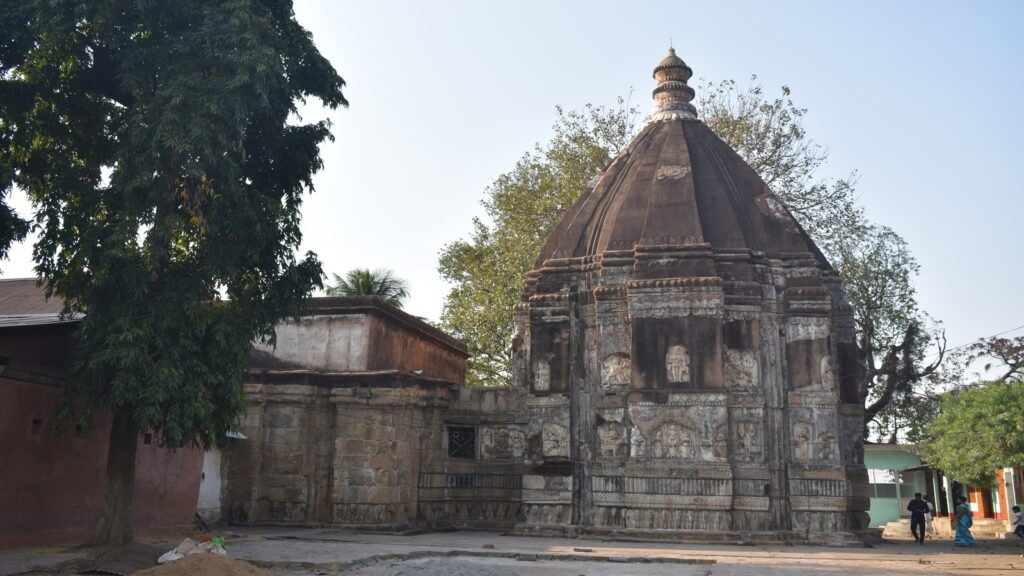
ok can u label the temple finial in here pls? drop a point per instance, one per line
(673, 94)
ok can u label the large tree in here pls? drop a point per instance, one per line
(487, 270)
(978, 430)
(894, 336)
(159, 144)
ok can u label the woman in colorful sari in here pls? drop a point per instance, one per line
(963, 523)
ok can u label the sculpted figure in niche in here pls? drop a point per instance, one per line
(802, 437)
(502, 444)
(610, 438)
(637, 443)
(746, 437)
(720, 446)
(673, 440)
(828, 375)
(555, 440)
(541, 375)
(826, 446)
(615, 370)
(741, 368)
(854, 449)
(677, 363)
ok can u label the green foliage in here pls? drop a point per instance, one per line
(157, 143)
(877, 269)
(978, 430)
(12, 227)
(874, 263)
(769, 135)
(488, 269)
(362, 282)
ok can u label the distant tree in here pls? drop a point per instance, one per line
(1003, 355)
(768, 133)
(362, 282)
(874, 263)
(159, 145)
(978, 430)
(893, 335)
(487, 270)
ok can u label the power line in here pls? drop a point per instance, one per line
(948, 350)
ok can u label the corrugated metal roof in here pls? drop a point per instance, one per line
(23, 303)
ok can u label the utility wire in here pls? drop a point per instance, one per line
(948, 350)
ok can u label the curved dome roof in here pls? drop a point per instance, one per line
(677, 184)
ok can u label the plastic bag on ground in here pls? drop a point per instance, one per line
(190, 546)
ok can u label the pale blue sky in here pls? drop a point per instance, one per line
(921, 98)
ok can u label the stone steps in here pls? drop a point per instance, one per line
(985, 528)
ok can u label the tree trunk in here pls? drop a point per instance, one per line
(115, 527)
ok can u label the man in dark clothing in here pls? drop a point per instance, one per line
(918, 508)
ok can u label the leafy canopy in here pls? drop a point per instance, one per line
(487, 270)
(978, 430)
(362, 282)
(159, 145)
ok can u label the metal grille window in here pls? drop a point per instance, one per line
(462, 442)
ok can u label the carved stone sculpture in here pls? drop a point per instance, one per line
(502, 444)
(677, 364)
(826, 446)
(615, 370)
(541, 376)
(720, 445)
(800, 328)
(673, 440)
(611, 439)
(802, 438)
(741, 368)
(555, 440)
(746, 439)
(828, 378)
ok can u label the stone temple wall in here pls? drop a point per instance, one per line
(691, 406)
(341, 418)
(482, 488)
(343, 451)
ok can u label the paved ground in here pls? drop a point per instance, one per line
(302, 552)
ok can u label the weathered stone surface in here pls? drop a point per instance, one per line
(680, 268)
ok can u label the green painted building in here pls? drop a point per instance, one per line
(895, 473)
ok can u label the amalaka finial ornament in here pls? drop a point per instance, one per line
(673, 95)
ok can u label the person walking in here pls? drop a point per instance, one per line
(1018, 522)
(964, 521)
(918, 509)
(929, 524)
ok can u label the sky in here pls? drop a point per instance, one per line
(921, 99)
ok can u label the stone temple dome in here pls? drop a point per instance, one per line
(678, 184)
(687, 352)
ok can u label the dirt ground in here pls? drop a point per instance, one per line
(323, 552)
(205, 565)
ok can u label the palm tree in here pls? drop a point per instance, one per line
(362, 282)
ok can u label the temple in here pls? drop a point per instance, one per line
(684, 368)
(687, 352)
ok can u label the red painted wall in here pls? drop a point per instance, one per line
(51, 487)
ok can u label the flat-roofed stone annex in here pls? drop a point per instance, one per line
(687, 353)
